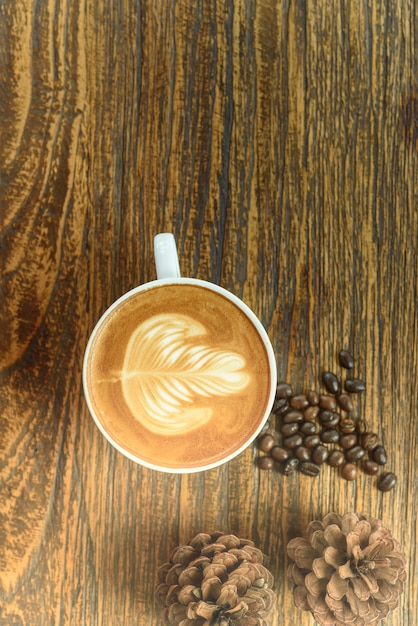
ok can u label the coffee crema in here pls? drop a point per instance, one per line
(178, 376)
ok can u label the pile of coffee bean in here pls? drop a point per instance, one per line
(309, 429)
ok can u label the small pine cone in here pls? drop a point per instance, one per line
(348, 569)
(217, 580)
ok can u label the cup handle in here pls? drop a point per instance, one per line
(165, 254)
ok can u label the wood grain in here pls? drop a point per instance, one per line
(278, 141)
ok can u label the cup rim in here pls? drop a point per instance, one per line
(261, 332)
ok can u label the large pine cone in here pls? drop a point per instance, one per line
(216, 580)
(348, 569)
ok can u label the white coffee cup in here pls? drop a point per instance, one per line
(179, 374)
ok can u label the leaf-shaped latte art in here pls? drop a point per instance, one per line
(167, 367)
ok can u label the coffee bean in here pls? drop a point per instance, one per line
(348, 441)
(280, 406)
(309, 469)
(370, 441)
(349, 471)
(284, 390)
(311, 413)
(329, 418)
(379, 455)
(289, 429)
(330, 435)
(361, 427)
(293, 441)
(302, 453)
(299, 402)
(354, 385)
(387, 482)
(319, 454)
(331, 382)
(292, 416)
(308, 428)
(347, 425)
(310, 441)
(336, 458)
(355, 454)
(313, 398)
(290, 466)
(266, 443)
(327, 402)
(346, 360)
(265, 463)
(279, 454)
(370, 467)
(325, 416)
(345, 402)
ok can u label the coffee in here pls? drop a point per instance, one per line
(178, 376)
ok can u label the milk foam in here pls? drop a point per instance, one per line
(168, 370)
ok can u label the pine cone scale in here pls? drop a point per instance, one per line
(315, 586)
(360, 588)
(322, 569)
(337, 587)
(335, 557)
(211, 588)
(334, 537)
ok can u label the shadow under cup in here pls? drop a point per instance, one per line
(179, 375)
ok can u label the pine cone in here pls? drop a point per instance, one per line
(347, 570)
(216, 580)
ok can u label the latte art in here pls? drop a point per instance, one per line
(177, 376)
(167, 366)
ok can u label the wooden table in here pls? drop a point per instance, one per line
(278, 142)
